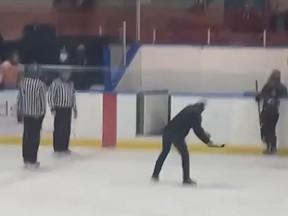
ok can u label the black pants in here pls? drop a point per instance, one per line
(62, 129)
(269, 121)
(31, 138)
(180, 145)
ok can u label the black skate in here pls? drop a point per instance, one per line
(60, 154)
(189, 182)
(273, 150)
(270, 150)
(155, 178)
(31, 165)
(267, 151)
(67, 152)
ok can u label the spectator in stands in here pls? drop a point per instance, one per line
(10, 71)
(80, 56)
(73, 3)
(197, 7)
(249, 5)
(1, 48)
(1, 82)
(86, 3)
(279, 15)
(64, 56)
(80, 59)
(1, 76)
(64, 3)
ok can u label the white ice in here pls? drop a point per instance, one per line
(96, 182)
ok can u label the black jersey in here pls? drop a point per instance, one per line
(186, 119)
(271, 96)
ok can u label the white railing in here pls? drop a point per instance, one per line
(138, 20)
(208, 36)
(264, 38)
(154, 35)
(124, 40)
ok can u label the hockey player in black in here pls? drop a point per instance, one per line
(176, 131)
(271, 94)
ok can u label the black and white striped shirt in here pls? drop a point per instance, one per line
(31, 100)
(62, 95)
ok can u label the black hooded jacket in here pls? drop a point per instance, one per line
(272, 92)
(188, 118)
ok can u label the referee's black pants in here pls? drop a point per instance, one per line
(62, 129)
(31, 138)
(180, 145)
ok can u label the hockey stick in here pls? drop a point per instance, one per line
(259, 108)
(258, 102)
(74, 127)
(216, 146)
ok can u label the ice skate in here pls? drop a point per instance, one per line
(270, 150)
(60, 154)
(189, 182)
(267, 151)
(67, 152)
(155, 178)
(57, 154)
(31, 165)
(273, 150)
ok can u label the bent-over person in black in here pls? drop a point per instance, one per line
(62, 101)
(31, 104)
(175, 132)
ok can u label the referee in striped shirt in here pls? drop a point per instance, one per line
(31, 104)
(62, 101)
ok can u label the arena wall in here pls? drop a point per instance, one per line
(231, 120)
(202, 68)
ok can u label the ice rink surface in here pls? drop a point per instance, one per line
(96, 182)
